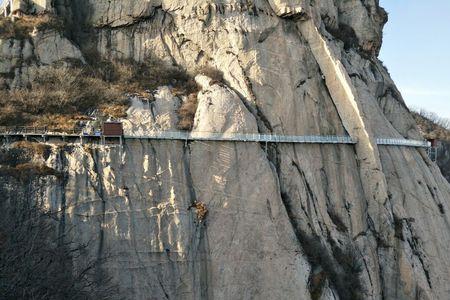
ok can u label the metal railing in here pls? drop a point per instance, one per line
(31, 130)
(243, 137)
(433, 153)
(214, 136)
(403, 142)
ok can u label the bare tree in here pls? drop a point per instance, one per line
(435, 118)
(39, 259)
(431, 125)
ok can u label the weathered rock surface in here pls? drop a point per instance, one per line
(51, 47)
(443, 158)
(149, 117)
(21, 59)
(286, 71)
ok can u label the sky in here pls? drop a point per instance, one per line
(416, 51)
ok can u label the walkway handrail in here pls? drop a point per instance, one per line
(215, 136)
(41, 130)
(244, 137)
(403, 142)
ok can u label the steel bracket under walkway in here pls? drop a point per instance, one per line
(268, 138)
(25, 133)
(242, 137)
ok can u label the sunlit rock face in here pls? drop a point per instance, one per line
(22, 59)
(286, 221)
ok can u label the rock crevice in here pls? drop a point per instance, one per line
(284, 221)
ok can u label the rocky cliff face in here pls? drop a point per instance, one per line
(295, 222)
(443, 158)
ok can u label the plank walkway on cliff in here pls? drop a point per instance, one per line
(273, 138)
(30, 133)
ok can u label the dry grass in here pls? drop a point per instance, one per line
(27, 171)
(22, 27)
(137, 77)
(114, 110)
(200, 209)
(432, 126)
(186, 113)
(38, 149)
(59, 97)
(11, 157)
(215, 75)
(59, 122)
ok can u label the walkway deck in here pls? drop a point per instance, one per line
(241, 137)
(10, 133)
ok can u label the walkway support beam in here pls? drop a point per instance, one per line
(214, 136)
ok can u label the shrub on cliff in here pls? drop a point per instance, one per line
(213, 73)
(22, 27)
(59, 97)
(186, 113)
(138, 77)
(55, 93)
(187, 110)
(431, 125)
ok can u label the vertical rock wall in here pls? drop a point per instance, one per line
(297, 221)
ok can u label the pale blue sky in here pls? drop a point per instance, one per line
(416, 51)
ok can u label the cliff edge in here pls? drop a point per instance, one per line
(226, 220)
